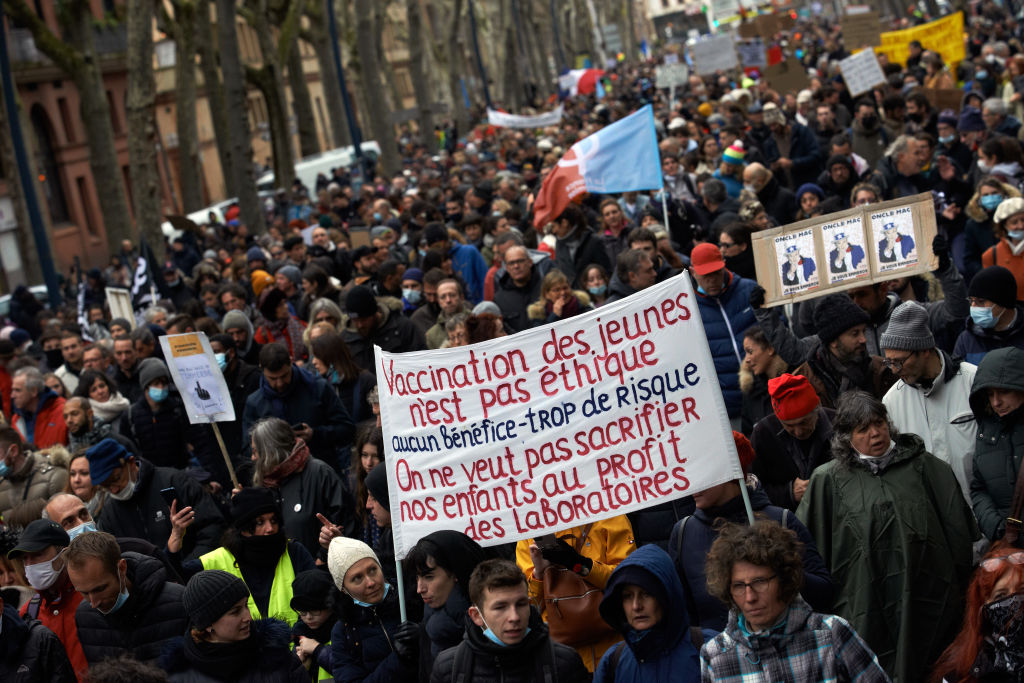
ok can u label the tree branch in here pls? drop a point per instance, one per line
(63, 55)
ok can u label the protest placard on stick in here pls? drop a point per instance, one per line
(608, 412)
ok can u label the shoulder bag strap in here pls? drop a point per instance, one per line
(578, 545)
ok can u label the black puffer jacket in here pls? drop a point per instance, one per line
(361, 647)
(394, 334)
(30, 652)
(999, 448)
(146, 515)
(781, 458)
(513, 300)
(535, 658)
(265, 656)
(442, 628)
(164, 437)
(152, 615)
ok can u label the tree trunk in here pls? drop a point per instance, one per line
(628, 30)
(396, 102)
(215, 95)
(513, 61)
(140, 101)
(309, 142)
(419, 73)
(270, 81)
(75, 54)
(30, 268)
(237, 122)
(455, 67)
(597, 37)
(190, 173)
(376, 115)
(320, 39)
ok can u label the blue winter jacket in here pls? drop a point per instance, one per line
(726, 317)
(663, 652)
(470, 265)
(803, 152)
(975, 341)
(691, 540)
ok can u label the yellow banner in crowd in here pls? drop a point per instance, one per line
(945, 36)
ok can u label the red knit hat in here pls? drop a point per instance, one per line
(792, 396)
(745, 451)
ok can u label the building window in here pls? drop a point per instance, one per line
(46, 165)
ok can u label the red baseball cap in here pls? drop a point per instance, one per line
(706, 258)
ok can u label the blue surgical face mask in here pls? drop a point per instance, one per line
(982, 317)
(1016, 235)
(333, 376)
(946, 139)
(158, 395)
(599, 290)
(700, 290)
(377, 217)
(81, 529)
(981, 75)
(493, 637)
(387, 589)
(222, 361)
(122, 598)
(989, 202)
(411, 295)
(5, 469)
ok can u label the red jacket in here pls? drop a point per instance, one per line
(57, 612)
(50, 428)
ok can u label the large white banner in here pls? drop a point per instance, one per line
(612, 411)
(500, 118)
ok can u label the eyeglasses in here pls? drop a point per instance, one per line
(993, 563)
(308, 612)
(759, 586)
(726, 245)
(896, 364)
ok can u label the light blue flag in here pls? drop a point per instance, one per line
(621, 157)
(599, 89)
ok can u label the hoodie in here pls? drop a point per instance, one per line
(663, 652)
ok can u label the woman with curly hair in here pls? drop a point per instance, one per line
(772, 632)
(990, 641)
(896, 533)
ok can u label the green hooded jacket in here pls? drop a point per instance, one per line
(1000, 442)
(898, 544)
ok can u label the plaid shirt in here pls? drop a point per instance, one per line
(805, 646)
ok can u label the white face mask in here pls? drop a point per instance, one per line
(126, 491)
(42, 575)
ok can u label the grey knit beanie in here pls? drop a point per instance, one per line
(152, 369)
(210, 594)
(908, 329)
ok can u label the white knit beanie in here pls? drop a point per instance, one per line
(342, 553)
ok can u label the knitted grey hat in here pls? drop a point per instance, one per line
(151, 369)
(908, 329)
(210, 594)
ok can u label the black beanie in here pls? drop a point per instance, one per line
(311, 590)
(835, 314)
(210, 594)
(250, 503)
(995, 283)
(377, 485)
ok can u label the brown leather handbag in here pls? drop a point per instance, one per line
(571, 603)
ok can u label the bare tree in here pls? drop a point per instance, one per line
(235, 96)
(74, 53)
(26, 241)
(377, 116)
(302, 104)
(205, 46)
(418, 71)
(181, 27)
(140, 100)
(316, 34)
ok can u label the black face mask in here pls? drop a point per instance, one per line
(1003, 621)
(263, 551)
(869, 121)
(54, 358)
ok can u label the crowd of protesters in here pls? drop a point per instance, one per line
(881, 429)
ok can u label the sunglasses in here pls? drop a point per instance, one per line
(993, 563)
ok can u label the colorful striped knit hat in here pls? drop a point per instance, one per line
(734, 154)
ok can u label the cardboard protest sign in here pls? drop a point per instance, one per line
(671, 75)
(846, 249)
(787, 76)
(119, 301)
(861, 30)
(198, 378)
(944, 36)
(861, 72)
(752, 53)
(713, 53)
(608, 412)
